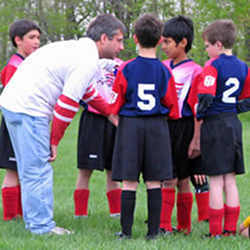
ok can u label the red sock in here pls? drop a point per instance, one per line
(215, 221)
(19, 202)
(81, 197)
(167, 205)
(9, 200)
(202, 201)
(231, 218)
(114, 201)
(184, 210)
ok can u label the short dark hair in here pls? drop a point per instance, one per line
(105, 24)
(223, 30)
(20, 28)
(180, 27)
(148, 29)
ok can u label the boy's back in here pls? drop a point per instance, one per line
(144, 83)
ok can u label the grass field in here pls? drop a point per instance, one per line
(97, 231)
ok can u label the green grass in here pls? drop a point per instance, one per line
(97, 232)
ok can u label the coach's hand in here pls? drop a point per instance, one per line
(53, 153)
(194, 148)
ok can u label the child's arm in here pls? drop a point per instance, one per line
(170, 100)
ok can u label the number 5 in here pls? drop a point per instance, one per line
(148, 100)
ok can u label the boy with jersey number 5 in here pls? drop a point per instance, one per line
(56, 76)
(25, 37)
(224, 90)
(143, 95)
(177, 41)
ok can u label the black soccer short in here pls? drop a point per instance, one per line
(181, 133)
(7, 156)
(221, 144)
(95, 142)
(142, 145)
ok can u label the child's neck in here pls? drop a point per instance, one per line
(227, 52)
(179, 59)
(147, 52)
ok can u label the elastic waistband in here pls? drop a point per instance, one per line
(219, 116)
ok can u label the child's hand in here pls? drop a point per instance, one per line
(114, 119)
(53, 153)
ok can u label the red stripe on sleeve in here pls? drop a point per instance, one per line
(246, 88)
(64, 111)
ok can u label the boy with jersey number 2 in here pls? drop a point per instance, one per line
(143, 95)
(53, 92)
(177, 40)
(224, 90)
(25, 36)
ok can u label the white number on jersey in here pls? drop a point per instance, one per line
(234, 86)
(148, 100)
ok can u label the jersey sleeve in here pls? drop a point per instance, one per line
(7, 73)
(64, 112)
(118, 92)
(246, 88)
(93, 98)
(170, 100)
(193, 94)
(206, 89)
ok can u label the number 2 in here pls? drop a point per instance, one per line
(234, 83)
(148, 100)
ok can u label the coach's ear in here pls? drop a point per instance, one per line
(103, 38)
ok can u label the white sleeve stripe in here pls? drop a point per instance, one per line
(90, 89)
(66, 106)
(91, 97)
(62, 118)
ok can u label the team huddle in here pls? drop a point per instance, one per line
(170, 121)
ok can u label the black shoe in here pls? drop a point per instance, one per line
(227, 233)
(207, 236)
(122, 236)
(152, 236)
(165, 232)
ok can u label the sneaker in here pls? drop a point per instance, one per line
(122, 236)
(117, 215)
(165, 232)
(60, 231)
(206, 236)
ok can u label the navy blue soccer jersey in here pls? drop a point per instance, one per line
(144, 87)
(226, 78)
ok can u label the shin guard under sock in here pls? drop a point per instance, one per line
(114, 201)
(167, 205)
(215, 221)
(231, 216)
(202, 201)
(81, 197)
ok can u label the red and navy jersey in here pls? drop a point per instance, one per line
(144, 87)
(10, 68)
(226, 78)
(185, 75)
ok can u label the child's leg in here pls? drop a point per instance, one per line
(216, 205)
(184, 206)
(232, 206)
(81, 194)
(114, 195)
(167, 204)
(128, 199)
(201, 195)
(154, 207)
(11, 195)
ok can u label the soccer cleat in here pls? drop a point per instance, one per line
(122, 236)
(80, 216)
(152, 236)
(165, 232)
(227, 233)
(60, 231)
(207, 236)
(116, 216)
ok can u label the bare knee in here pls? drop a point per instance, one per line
(184, 186)
(10, 178)
(111, 185)
(83, 178)
(170, 183)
